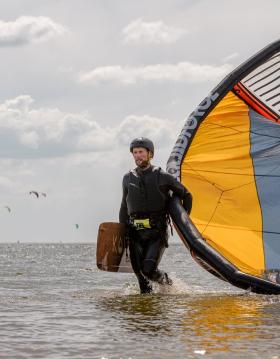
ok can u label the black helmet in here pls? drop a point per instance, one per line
(142, 142)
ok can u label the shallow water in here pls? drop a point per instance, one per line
(54, 303)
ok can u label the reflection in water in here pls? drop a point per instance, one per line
(223, 323)
(143, 313)
(211, 322)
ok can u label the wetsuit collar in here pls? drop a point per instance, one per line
(142, 171)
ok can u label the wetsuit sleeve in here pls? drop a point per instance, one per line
(181, 191)
(123, 214)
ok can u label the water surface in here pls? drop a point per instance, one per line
(55, 303)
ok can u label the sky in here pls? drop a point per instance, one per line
(81, 79)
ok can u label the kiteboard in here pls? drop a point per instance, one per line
(112, 255)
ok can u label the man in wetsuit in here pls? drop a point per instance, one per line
(146, 190)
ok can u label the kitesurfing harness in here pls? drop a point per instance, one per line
(145, 198)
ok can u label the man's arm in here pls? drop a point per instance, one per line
(123, 215)
(178, 189)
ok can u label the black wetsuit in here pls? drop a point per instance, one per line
(145, 195)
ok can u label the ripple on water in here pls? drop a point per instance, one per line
(54, 303)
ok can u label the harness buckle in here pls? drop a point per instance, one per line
(141, 223)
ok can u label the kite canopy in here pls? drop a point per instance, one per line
(228, 156)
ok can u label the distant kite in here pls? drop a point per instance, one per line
(8, 208)
(36, 193)
(77, 226)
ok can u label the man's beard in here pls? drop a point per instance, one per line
(142, 163)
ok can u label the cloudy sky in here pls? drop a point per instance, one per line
(80, 79)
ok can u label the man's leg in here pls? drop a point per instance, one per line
(136, 257)
(154, 248)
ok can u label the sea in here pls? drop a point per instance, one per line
(55, 303)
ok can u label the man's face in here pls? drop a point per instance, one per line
(141, 156)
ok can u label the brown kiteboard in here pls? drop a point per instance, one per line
(111, 252)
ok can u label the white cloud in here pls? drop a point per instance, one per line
(30, 139)
(48, 132)
(182, 72)
(11, 182)
(5, 183)
(139, 31)
(231, 57)
(23, 129)
(28, 29)
(65, 69)
(161, 131)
